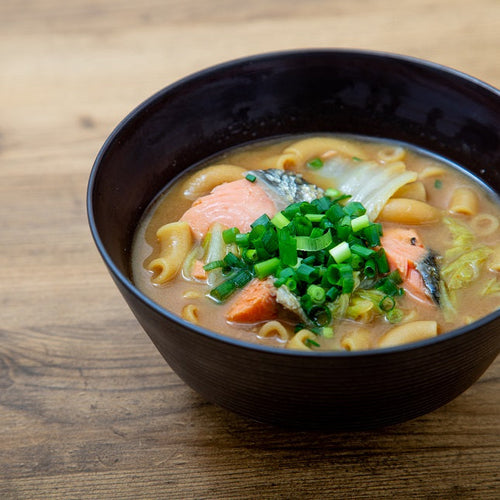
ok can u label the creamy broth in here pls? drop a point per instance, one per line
(436, 179)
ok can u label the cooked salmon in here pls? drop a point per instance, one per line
(232, 204)
(256, 302)
(406, 253)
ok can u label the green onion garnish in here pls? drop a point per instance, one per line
(223, 291)
(215, 264)
(267, 267)
(341, 252)
(317, 294)
(326, 252)
(360, 223)
(308, 244)
(229, 235)
(280, 221)
(250, 177)
(315, 163)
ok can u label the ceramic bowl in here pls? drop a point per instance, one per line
(305, 91)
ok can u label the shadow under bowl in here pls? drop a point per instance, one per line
(304, 91)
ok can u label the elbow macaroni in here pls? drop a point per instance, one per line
(464, 201)
(205, 180)
(357, 340)
(191, 313)
(409, 211)
(391, 153)
(413, 190)
(298, 341)
(301, 151)
(175, 242)
(408, 332)
(274, 329)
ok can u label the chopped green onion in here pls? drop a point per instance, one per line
(325, 252)
(315, 163)
(319, 315)
(354, 209)
(223, 291)
(356, 261)
(333, 274)
(250, 255)
(291, 284)
(292, 210)
(229, 235)
(250, 177)
(371, 233)
(332, 193)
(287, 272)
(215, 264)
(308, 244)
(232, 260)
(388, 287)
(242, 278)
(315, 217)
(335, 212)
(387, 303)
(266, 267)
(287, 247)
(438, 183)
(242, 240)
(361, 250)
(306, 273)
(360, 223)
(303, 226)
(347, 284)
(341, 252)
(344, 231)
(311, 343)
(280, 221)
(333, 293)
(263, 220)
(317, 294)
(381, 261)
(370, 268)
(322, 204)
(308, 208)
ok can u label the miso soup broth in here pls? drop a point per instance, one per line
(322, 242)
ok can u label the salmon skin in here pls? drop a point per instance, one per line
(428, 268)
(286, 187)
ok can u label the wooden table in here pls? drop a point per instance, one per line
(88, 408)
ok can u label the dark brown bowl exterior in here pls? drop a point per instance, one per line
(359, 92)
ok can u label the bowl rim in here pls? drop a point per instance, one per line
(126, 282)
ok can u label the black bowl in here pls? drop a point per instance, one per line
(358, 92)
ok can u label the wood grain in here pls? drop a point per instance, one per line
(88, 408)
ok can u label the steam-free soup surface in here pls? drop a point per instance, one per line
(438, 229)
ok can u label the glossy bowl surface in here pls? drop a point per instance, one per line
(305, 91)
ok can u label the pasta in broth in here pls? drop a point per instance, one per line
(331, 242)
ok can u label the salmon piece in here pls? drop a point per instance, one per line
(404, 250)
(232, 204)
(197, 271)
(256, 302)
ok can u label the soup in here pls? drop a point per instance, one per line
(322, 243)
